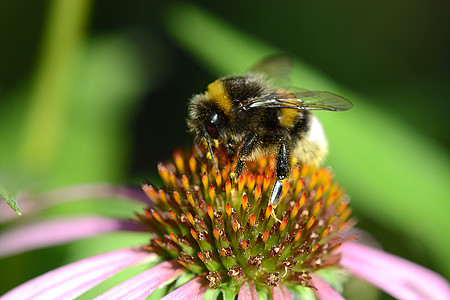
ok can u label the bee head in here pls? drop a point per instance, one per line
(205, 119)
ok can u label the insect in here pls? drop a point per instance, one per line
(253, 118)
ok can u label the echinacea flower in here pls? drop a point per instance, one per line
(211, 237)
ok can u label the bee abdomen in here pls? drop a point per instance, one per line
(312, 146)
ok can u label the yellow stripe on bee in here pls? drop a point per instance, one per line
(216, 92)
(287, 117)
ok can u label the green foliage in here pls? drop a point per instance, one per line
(11, 202)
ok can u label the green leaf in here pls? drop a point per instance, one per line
(117, 279)
(162, 290)
(11, 202)
(229, 293)
(183, 279)
(101, 101)
(211, 294)
(47, 108)
(262, 294)
(302, 293)
(334, 277)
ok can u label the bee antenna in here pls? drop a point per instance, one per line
(198, 150)
(212, 155)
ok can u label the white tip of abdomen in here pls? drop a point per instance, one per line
(313, 147)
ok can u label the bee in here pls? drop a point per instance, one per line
(253, 118)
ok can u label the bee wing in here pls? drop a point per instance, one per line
(302, 100)
(276, 67)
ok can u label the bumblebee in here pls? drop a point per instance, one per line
(252, 118)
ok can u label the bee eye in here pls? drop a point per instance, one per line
(211, 127)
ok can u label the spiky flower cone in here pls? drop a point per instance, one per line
(229, 234)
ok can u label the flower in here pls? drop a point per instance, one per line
(230, 235)
(225, 239)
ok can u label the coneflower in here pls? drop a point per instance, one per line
(229, 235)
(211, 236)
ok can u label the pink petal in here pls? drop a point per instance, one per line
(30, 204)
(324, 290)
(248, 291)
(280, 293)
(145, 283)
(395, 275)
(193, 290)
(74, 279)
(55, 232)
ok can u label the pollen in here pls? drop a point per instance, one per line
(241, 183)
(244, 201)
(265, 236)
(179, 160)
(177, 197)
(212, 193)
(283, 225)
(294, 211)
(218, 180)
(257, 192)
(223, 229)
(163, 173)
(150, 192)
(192, 164)
(252, 220)
(316, 208)
(190, 198)
(210, 212)
(268, 211)
(228, 210)
(205, 181)
(185, 182)
(157, 216)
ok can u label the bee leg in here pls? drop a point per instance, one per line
(276, 193)
(211, 153)
(282, 161)
(200, 154)
(240, 164)
(230, 148)
(275, 197)
(282, 170)
(248, 147)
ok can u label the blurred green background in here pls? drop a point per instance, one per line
(96, 91)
